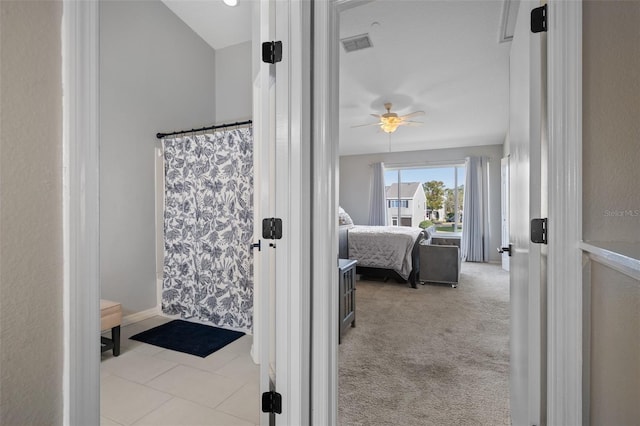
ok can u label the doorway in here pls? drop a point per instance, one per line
(564, 66)
(365, 89)
(175, 216)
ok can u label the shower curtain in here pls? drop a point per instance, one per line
(208, 228)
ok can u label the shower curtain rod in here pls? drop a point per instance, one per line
(202, 129)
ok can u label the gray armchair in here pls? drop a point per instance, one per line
(440, 261)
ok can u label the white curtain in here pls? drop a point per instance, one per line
(378, 206)
(475, 192)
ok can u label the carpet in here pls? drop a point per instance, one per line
(188, 337)
(434, 355)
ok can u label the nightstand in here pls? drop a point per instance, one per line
(347, 309)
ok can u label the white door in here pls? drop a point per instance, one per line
(283, 269)
(264, 193)
(527, 199)
(504, 209)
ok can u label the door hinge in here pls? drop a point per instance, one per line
(272, 228)
(539, 231)
(257, 245)
(539, 19)
(271, 52)
(272, 402)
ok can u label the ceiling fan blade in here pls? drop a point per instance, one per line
(413, 123)
(365, 125)
(376, 115)
(413, 114)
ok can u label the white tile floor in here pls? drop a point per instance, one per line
(148, 385)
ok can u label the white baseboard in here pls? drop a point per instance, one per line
(140, 316)
(255, 356)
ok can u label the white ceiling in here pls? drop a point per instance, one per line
(442, 57)
(218, 24)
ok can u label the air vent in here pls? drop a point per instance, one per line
(358, 42)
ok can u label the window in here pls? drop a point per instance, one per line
(404, 221)
(437, 194)
(398, 203)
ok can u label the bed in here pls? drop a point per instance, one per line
(382, 251)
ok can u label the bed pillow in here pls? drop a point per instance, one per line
(344, 218)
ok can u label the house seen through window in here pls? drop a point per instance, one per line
(425, 196)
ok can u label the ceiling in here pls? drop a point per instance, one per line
(441, 57)
(218, 24)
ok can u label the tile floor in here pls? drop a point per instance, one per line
(149, 385)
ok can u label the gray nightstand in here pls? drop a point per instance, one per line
(347, 317)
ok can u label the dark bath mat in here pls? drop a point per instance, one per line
(188, 337)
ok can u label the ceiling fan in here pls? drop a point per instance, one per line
(390, 121)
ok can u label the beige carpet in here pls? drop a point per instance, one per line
(428, 356)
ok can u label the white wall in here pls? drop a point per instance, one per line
(611, 155)
(156, 75)
(355, 180)
(615, 347)
(31, 253)
(234, 89)
(611, 147)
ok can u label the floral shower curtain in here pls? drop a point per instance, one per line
(208, 228)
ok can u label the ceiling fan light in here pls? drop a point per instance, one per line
(231, 3)
(389, 127)
(390, 123)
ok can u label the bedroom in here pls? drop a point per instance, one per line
(445, 59)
